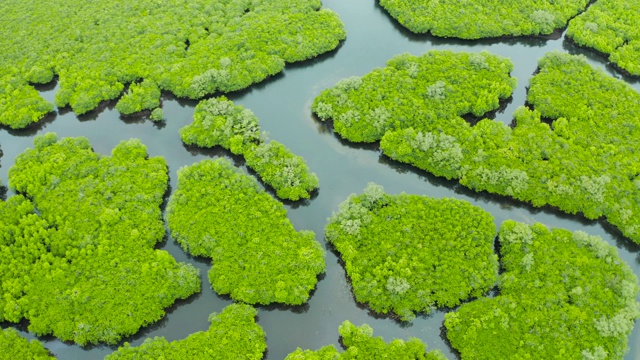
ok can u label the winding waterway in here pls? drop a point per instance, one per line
(282, 104)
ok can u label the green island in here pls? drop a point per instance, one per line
(429, 91)
(14, 346)
(562, 295)
(584, 162)
(577, 150)
(219, 122)
(189, 48)
(611, 27)
(360, 344)
(257, 256)
(407, 253)
(233, 334)
(77, 257)
(475, 19)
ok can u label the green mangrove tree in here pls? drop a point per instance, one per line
(360, 344)
(258, 257)
(233, 334)
(407, 253)
(218, 122)
(189, 48)
(77, 257)
(562, 295)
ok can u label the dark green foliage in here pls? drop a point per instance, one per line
(475, 19)
(361, 345)
(407, 253)
(233, 334)
(431, 92)
(585, 162)
(14, 347)
(218, 122)
(190, 48)
(562, 296)
(83, 268)
(258, 257)
(611, 27)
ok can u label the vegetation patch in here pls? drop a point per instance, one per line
(15, 346)
(562, 295)
(190, 48)
(233, 334)
(611, 27)
(407, 253)
(360, 343)
(218, 122)
(475, 19)
(78, 259)
(585, 161)
(258, 257)
(431, 91)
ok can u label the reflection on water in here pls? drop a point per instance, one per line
(282, 103)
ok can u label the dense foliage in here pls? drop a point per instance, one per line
(562, 295)
(218, 122)
(611, 27)
(407, 253)
(474, 19)
(233, 334)
(258, 257)
(586, 161)
(13, 346)
(190, 48)
(83, 266)
(430, 91)
(361, 345)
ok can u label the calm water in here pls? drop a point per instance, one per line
(283, 106)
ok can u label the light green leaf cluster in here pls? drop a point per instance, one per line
(219, 122)
(20, 103)
(189, 48)
(258, 257)
(428, 92)
(562, 295)
(83, 267)
(475, 19)
(586, 161)
(409, 253)
(611, 27)
(233, 334)
(360, 344)
(15, 347)
(140, 96)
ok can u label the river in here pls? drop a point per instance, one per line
(282, 104)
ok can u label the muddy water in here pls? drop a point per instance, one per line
(283, 106)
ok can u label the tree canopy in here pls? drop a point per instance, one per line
(258, 257)
(77, 260)
(611, 27)
(15, 347)
(360, 344)
(407, 253)
(219, 122)
(585, 161)
(562, 295)
(430, 91)
(190, 48)
(233, 334)
(475, 19)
